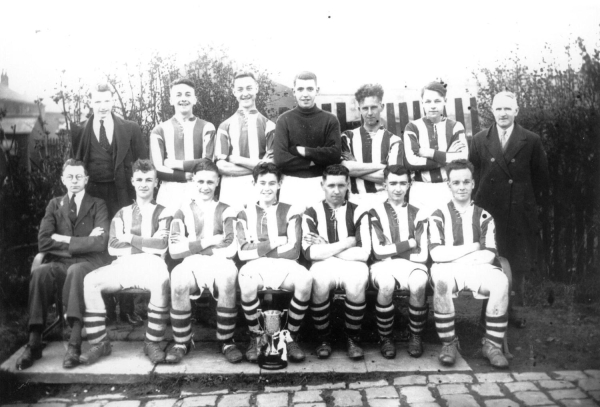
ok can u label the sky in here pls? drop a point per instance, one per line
(347, 43)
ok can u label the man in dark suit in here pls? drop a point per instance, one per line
(108, 147)
(511, 177)
(74, 233)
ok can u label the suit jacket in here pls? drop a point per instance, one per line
(509, 185)
(130, 147)
(92, 214)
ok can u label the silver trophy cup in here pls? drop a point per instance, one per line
(273, 352)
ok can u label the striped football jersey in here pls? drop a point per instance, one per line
(422, 133)
(197, 222)
(188, 142)
(382, 147)
(449, 228)
(256, 227)
(391, 230)
(335, 225)
(143, 224)
(246, 135)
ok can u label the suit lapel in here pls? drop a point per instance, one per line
(516, 142)
(122, 138)
(492, 143)
(86, 204)
(64, 209)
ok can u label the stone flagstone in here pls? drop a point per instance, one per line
(448, 389)
(567, 394)
(533, 398)
(589, 384)
(307, 396)
(272, 400)
(487, 389)
(428, 362)
(347, 398)
(461, 400)
(387, 392)
(384, 403)
(417, 394)
(570, 375)
(199, 401)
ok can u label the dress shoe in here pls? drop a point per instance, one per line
(294, 352)
(415, 346)
(387, 348)
(71, 359)
(354, 351)
(154, 352)
(323, 350)
(177, 352)
(252, 350)
(449, 351)
(94, 353)
(231, 352)
(30, 354)
(494, 354)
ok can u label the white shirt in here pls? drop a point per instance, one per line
(109, 125)
(78, 199)
(508, 132)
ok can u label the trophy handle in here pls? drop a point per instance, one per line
(260, 313)
(287, 314)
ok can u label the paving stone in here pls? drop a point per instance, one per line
(593, 373)
(555, 384)
(161, 403)
(410, 380)
(235, 400)
(494, 377)
(311, 405)
(532, 398)
(570, 375)
(595, 395)
(104, 397)
(272, 400)
(51, 404)
(124, 403)
(94, 404)
(307, 396)
(567, 394)
(364, 385)
(448, 389)
(198, 401)
(579, 403)
(450, 378)
(16, 405)
(347, 398)
(55, 400)
(424, 405)
(589, 384)
(521, 386)
(501, 403)
(216, 392)
(487, 389)
(531, 376)
(326, 386)
(272, 389)
(461, 400)
(416, 394)
(384, 403)
(387, 392)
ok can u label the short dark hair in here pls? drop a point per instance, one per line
(143, 166)
(183, 81)
(396, 169)
(266, 168)
(336, 169)
(368, 90)
(436, 87)
(243, 74)
(461, 164)
(305, 76)
(71, 162)
(204, 164)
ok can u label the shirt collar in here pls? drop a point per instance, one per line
(108, 120)
(508, 131)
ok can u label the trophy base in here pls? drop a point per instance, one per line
(271, 362)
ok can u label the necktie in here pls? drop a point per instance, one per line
(503, 139)
(73, 210)
(103, 139)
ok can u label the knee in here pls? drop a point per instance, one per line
(76, 271)
(179, 282)
(386, 284)
(227, 279)
(356, 286)
(499, 281)
(417, 281)
(92, 283)
(303, 281)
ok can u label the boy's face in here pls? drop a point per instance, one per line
(370, 110)
(74, 179)
(206, 183)
(335, 187)
(245, 90)
(433, 104)
(305, 92)
(144, 184)
(266, 186)
(102, 103)
(183, 98)
(461, 185)
(396, 186)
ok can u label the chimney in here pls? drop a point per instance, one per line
(4, 79)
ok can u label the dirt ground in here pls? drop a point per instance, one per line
(559, 337)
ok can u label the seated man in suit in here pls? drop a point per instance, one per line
(74, 231)
(138, 236)
(269, 235)
(202, 235)
(463, 248)
(337, 241)
(399, 235)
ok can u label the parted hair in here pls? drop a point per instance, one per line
(396, 169)
(183, 81)
(243, 74)
(336, 169)
(204, 164)
(143, 166)
(436, 87)
(305, 76)
(74, 163)
(266, 168)
(460, 164)
(365, 91)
